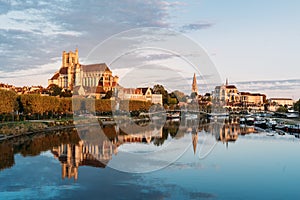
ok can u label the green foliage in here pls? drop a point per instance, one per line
(54, 90)
(134, 105)
(282, 109)
(181, 97)
(37, 104)
(8, 101)
(104, 105)
(65, 105)
(32, 106)
(66, 93)
(297, 106)
(194, 95)
(159, 89)
(172, 99)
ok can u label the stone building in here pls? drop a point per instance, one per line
(226, 94)
(72, 74)
(229, 97)
(281, 102)
(139, 94)
(275, 103)
(256, 99)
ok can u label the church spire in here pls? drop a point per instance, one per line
(194, 85)
(226, 81)
(194, 139)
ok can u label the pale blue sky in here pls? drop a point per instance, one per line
(251, 42)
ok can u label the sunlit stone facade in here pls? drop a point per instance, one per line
(226, 94)
(72, 74)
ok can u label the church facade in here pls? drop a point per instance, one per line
(73, 74)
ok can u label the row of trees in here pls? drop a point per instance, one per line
(35, 106)
(169, 98)
(297, 106)
(107, 106)
(284, 109)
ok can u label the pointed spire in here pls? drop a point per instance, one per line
(194, 140)
(194, 85)
(226, 81)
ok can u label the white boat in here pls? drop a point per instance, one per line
(270, 134)
(218, 115)
(260, 122)
(271, 123)
(191, 116)
(249, 120)
(292, 114)
(242, 120)
(173, 115)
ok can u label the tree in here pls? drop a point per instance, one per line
(181, 97)
(194, 95)
(172, 99)
(66, 93)
(282, 109)
(159, 89)
(104, 105)
(297, 106)
(8, 101)
(54, 90)
(134, 105)
(65, 105)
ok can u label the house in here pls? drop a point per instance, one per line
(281, 101)
(247, 98)
(275, 103)
(139, 94)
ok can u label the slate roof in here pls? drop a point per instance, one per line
(95, 67)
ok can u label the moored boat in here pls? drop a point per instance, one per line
(175, 115)
(249, 120)
(271, 124)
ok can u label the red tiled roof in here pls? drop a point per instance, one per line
(55, 76)
(63, 70)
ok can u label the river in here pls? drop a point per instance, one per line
(187, 159)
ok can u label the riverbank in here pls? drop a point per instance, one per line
(15, 129)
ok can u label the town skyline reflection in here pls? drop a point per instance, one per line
(73, 151)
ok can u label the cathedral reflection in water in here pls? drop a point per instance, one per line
(97, 147)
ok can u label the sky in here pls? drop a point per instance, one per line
(252, 43)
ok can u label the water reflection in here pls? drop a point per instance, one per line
(96, 150)
(33, 145)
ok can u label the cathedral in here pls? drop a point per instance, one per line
(73, 74)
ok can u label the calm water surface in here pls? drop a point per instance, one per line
(217, 161)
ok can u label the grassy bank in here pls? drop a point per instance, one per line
(16, 128)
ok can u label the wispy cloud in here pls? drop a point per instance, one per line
(273, 88)
(195, 26)
(33, 32)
